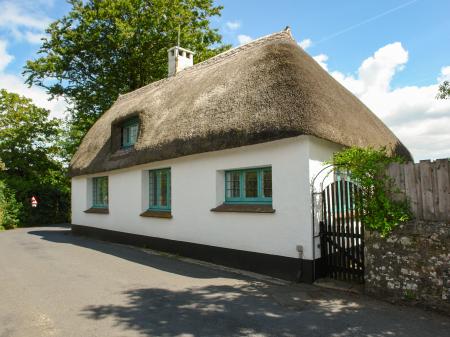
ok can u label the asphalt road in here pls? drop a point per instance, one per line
(55, 284)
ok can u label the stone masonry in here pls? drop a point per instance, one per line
(411, 265)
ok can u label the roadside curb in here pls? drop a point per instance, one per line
(340, 286)
(256, 276)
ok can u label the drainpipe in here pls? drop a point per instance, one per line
(313, 228)
(314, 236)
(300, 255)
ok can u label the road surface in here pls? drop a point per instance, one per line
(56, 284)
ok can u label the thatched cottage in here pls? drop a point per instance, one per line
(215, 162)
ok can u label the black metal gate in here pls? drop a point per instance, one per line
(341, 232)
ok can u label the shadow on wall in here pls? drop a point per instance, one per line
(160, 262)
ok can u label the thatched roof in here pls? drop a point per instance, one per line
(265, 90)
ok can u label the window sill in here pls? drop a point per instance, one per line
(121, 152)
(244, 208)
(157, 214)
(97, 210)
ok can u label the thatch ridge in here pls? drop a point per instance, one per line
(262, 91)
(213, 60)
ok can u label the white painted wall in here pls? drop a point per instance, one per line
(198, 186)
(320, 177)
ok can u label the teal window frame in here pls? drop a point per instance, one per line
(155, 189)
(260, 197)
(129, 132)
(97, 197)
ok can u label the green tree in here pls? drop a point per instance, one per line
(444, 90)
(103, 48)
(9, 208)
(30, 154)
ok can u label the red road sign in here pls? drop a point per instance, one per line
(34, 202)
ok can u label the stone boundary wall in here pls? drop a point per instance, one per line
(411, 265)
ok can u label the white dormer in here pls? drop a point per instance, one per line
(179, 59)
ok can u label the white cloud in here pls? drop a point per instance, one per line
(5, 58)
(305, 44)
(321, 59)
(233, 25)
(412, 112)
(34, 37)
(243, 39)
(445, 74)
(25, 20)
(15, 83)
(13, 15)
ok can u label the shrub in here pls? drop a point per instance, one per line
(367, 168)
(9, 208)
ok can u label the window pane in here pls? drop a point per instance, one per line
(99, 191)
(152, 188)
(163, 189)
(100, 186)
(130, 131)
(159, 188)
(251, 184)
(233, 185)
(126, 136)
(133, 131)
(104, 188)
(267, 183)
(95, 194)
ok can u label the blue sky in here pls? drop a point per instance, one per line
(391, 54)
(423, 27)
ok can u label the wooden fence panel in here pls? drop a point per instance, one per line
(419, 191)
(443, 190)
(426, 186)
(411, 189)
(426, 180)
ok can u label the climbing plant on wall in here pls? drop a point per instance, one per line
(367, 168)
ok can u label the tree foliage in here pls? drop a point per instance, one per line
(103, 48)
(30, 155)
(9, 208)
(444, 90)
(367, 167)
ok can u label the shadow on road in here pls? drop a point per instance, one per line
(171, 265)
(206, 311)
(246, 310)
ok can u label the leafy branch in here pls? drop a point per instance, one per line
(367, 168)
(444, 90)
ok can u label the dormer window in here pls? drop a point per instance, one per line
(129, 131)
